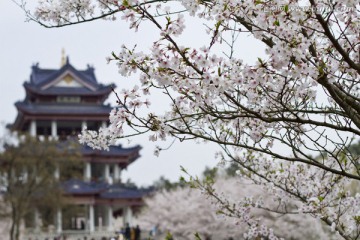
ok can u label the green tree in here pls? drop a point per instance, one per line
(30, 177)
(165, 184)
(354, 149)
(210, 172)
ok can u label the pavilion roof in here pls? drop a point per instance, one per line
(115, 151)
(79, 91)
(40, 77)
(116, 192)
(63, 108)
(76, 187)
(103, 190)
(43, 81)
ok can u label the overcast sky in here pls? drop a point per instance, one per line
(23, 44)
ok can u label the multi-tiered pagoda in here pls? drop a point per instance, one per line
(59, 103)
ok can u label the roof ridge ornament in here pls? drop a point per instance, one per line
(63, 60)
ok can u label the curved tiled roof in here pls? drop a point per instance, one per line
(113, 151)
(103, 190)
(40, 77)
(41, 82)
(75, 186)
(116, 192)
(62, 109)
(78, 91)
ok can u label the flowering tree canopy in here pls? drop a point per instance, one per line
(286, 120)
(185, 211)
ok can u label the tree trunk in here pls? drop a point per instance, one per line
(17, 229)
(15, 225)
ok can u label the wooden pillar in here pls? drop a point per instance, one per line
(117, 172)
(128, 215)
(57, 172)
(107, 172)
(83, 125)
(36, 220)
(58, 221)
(91, 218)
(109, 218)
(87, 171)
(54, 134)
(32, 128)
(25, 174)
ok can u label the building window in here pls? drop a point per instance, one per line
(68, 99)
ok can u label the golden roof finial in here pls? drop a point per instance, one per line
(63, 58)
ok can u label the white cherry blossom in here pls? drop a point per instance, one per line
(287, 120)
